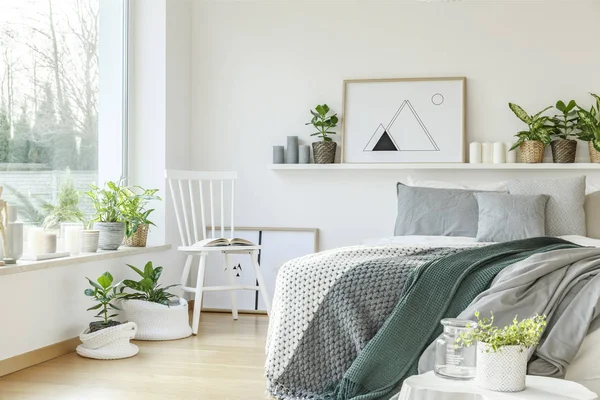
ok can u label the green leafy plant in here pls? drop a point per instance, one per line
(323, 122)
(107, 201)
(66, 209)
(526, 333)
(133, 207)
(589, 123)
(565, 124)
(147, 288)
(537, 128)
(104, 292)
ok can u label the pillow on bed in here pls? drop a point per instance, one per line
(436, 212)
(480, 186)
(505, 217)
(565, 214)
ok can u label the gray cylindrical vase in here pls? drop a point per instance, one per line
(111, 234)
(291, 156)
(304, 154)
(278, 155)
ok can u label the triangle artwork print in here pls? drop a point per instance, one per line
(405, 132)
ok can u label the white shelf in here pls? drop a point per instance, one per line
(434, 166)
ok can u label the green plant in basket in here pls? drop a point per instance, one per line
(323, 122)
(565, 124)
(147, 289)
(104, 292)
(133, 207)
(589, 123)
(537, 126)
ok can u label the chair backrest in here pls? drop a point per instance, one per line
(188, 188)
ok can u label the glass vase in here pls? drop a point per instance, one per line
(453, 361)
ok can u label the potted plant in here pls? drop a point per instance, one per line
(564, 149)
(108, 220)
(66, 209)
(589, 128)
(532, 141)
(323, 151)
(134, 212)
(106, 339)
(159, 315)
(502, 353)
(90, 239)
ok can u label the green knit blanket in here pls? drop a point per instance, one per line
(438, 289)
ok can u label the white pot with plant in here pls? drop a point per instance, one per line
(159, 315)
(106, 339)
(502, 354)
(108, 220)
(135, 214)
(323, 151)
(589, 128)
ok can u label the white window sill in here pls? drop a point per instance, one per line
(27, 266)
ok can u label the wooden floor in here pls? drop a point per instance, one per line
(225, 361)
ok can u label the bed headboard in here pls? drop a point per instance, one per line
(592, 214)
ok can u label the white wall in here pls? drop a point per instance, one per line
(259, 66)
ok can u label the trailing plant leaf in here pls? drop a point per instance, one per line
(147, 289)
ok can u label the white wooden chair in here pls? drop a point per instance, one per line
(188, 188)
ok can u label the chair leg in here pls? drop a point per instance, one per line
(186, 270)
(198, 297)
(261, 282)
(231, 276)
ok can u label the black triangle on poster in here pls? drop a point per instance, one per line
(385, 143)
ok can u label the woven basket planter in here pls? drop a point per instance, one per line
(501, 371)
(594, 154)
(564, 151)
(156, 321)
(139, 238)
(324, 152)
(110, 343)
(532, 151)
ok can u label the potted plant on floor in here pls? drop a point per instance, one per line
(589, 126)
(323, 151)
(159, 315)
(108, 220)
(106, 339)
(564, 149)
(133, 209)
(532, 141)
(502, 353)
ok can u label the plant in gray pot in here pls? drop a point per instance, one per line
(109, 219)
(323, 151)
(564, 125)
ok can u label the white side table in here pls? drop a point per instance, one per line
(431, 387)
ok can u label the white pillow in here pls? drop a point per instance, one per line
(483, 186)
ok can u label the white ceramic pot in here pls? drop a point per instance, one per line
(89, 241)
(111, 234)
(110, 343)
(501, 371)
(156, 321)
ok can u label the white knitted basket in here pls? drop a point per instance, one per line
(156, 321)
(110, 343)
(501, 371)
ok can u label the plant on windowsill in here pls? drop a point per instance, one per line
(106, 339)
(159, 315)
(67, 208)
(323, 151)
(108, 219)
(135, 214)
(532, 141)
(589, 128)
(564, 149)
(502, 353)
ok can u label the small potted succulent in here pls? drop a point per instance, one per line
(109, 219)
(324, 150)
(106, 339)
(502, 353)
(564, 149)
(159, 315)
(135, 214)
(532, 141)
(589, 126)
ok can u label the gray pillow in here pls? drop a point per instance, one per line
(565, 213)
(505, 217)
(439, 212)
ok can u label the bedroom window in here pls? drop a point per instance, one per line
(62, 99)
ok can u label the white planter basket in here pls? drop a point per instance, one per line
(502, 371)
(156, 321)
(109, 344)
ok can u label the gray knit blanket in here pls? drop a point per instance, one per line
(326, 308)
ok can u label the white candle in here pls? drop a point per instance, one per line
(511, 156)
(35, 239)
(487, 153)
(72, 241)
(475, 153)
(49, 243)
(499, 153)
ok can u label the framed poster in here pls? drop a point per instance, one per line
(404, 120)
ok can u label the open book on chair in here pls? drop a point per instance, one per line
(212, 242)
